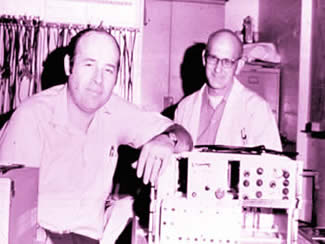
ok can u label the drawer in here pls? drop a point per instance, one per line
(266, 84)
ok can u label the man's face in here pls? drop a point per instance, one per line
(220, 76)
(94, 72)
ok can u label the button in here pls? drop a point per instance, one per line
(285, 182)
(285, 191)
(286, 174)
(259, 171)
(259, 182)
(246, 173)
(246, 183)
(259, 194)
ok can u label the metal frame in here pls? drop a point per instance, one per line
(167, 191)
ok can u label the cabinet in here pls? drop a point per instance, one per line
(18, 206)
(265, 82)
(171, 28)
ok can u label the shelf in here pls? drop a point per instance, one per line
(315, 134)
(320, 133)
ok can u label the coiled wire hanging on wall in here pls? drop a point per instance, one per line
(26, 42)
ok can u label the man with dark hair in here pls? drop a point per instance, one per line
(223, 111)
(72, 132)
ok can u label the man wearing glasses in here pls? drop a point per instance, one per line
(223, 111)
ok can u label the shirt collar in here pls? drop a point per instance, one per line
(60, 114)
(215, 101)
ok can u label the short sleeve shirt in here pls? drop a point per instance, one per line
(76, 169)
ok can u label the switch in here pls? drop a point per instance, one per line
(219, 193)
(272, 184)
(246, 173)
(285, 182)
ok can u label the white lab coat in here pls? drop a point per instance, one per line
(247, 119)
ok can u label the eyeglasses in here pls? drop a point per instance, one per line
(225, 62)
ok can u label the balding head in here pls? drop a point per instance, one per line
(92, 66)
(228, 40)
(74, 42)
(222, 60)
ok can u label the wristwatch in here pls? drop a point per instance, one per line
(172, 136)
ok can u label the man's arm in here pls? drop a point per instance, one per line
(180, 137)
(157, 152)
(20, 140)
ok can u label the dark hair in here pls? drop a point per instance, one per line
(71, 48)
